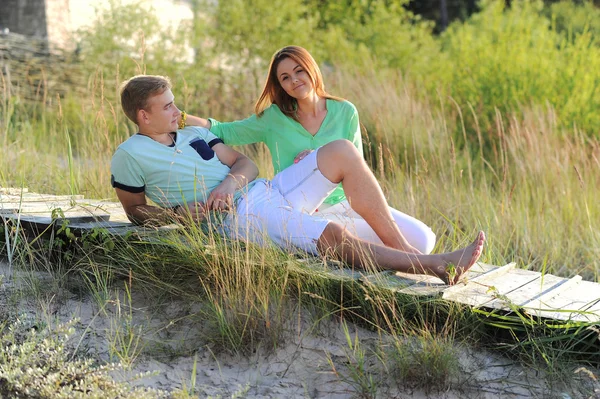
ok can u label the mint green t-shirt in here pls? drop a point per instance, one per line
(170, 176)
(285, 137)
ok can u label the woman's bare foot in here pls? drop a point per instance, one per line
(458, 262)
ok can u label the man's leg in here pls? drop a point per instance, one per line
(336, 241)
(339, 161)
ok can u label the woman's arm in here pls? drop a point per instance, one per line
(191, 120)
(354, 132)
(245, 131)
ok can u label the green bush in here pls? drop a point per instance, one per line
(572, 19)
(504, 59)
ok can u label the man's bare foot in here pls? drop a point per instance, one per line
(458, 262)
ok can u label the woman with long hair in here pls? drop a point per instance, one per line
(294, 116)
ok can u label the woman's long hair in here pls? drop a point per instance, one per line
(273, 93)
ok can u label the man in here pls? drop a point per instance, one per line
(191, 174)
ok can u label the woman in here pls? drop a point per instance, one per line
(294, 115)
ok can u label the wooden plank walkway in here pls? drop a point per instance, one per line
(37, 212)
(505, 288)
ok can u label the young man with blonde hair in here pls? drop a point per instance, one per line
(189, 172)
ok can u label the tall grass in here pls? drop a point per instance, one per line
(500, 138)
(534, 194)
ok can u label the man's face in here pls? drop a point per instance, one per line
(162, 113)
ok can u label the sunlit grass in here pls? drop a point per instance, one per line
(520, 175)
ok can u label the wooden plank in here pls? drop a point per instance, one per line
(39, 224)
(490, 275)
(120, 228)
(86, 222)
(474, 284)
(480, 292)
(511, 288)
(99, 224)
(13, 190)
(420, 284)
(580, 303)
(100, 204)
(479, 269)
(331, 269)
(395, 281)
(436, 285)
(33, 197)
(552, 286)
(111, 227)
(411, 284)
(73, 215)
(33, 207)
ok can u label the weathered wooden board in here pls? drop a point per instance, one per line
(486, 293)
(411, 284)
(477, 290)
(118, 228)
(35, 207)
(524, 292)
(552, 286)
(40, 224)
(28, 197)
(112, 227)
(419, 284)
(13, 190)
(333, 269)
(578, 303)
(100, 204)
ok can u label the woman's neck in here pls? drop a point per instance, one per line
(312, 105)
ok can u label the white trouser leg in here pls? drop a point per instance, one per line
(417, 233)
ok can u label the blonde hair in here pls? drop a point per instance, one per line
(136, 91)
(273, 93)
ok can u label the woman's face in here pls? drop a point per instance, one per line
(293, 79)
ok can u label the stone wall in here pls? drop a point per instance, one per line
(47, 20)
(31, 72)
(26, 17)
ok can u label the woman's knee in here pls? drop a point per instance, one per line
(334, 158)
(340, 148)
(417, 233)
(428, 240)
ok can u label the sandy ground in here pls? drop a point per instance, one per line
(299, 368)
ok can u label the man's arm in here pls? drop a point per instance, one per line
(242, 171)
(139, 212)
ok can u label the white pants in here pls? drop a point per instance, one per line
(305, 188)
(284, 211)
(417, 233)
(263, 215)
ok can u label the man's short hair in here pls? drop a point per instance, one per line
(136, 91)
